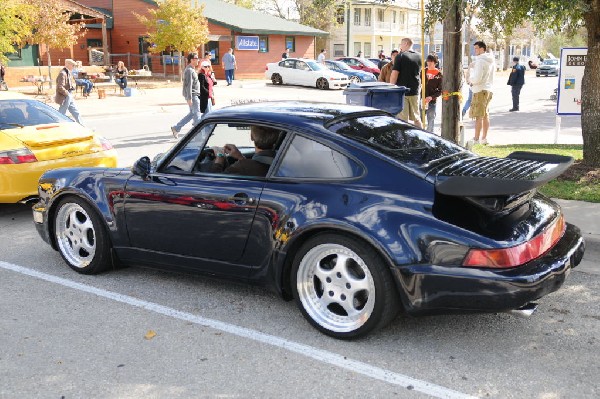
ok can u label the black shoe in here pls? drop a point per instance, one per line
(513, 109)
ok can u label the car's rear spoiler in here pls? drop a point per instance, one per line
(486, 176)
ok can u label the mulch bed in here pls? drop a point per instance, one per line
(581, 173)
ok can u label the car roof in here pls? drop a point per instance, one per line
(298, 59)
(302, 114)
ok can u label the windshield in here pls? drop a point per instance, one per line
(550, 62)
(396, 139)
(24, 112)
(368, 63)
(315, 66)
(342, 65)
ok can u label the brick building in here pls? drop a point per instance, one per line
(228, 25)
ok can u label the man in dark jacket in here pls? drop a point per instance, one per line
(516, 79)
(433, 89)
(407, 72)
(264, 139)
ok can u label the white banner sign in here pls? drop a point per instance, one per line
(572, 63)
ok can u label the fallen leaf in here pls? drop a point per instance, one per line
(150, 334)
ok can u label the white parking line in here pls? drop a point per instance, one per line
(320, 355)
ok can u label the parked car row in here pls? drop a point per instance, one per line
(335, 74)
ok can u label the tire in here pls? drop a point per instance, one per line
(354, 79)
(81, 237)
(276, 79)
(345, 299)
(322, 84)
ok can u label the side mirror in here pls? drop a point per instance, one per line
(142, 168)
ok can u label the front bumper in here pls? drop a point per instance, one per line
(442, 289)
(549, 72)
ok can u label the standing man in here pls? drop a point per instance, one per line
(65, 85)
(286, 54)
(321, 57)
(229, 65)
(407, 72)
(386, 70)
(433, 89)
(481, 81)
(191, 93)
(516, 79)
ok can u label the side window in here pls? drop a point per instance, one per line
(187, 157)
(307, 158)
(287, 64)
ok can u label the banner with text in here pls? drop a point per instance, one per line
(572, 64)
(246, 43)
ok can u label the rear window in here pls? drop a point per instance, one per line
(396, 139)
(23, 112)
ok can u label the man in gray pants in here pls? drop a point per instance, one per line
(191, 93)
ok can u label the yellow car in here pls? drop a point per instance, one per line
(34, 138)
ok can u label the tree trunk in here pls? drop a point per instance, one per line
(505, 59)
(452, 80)
(590, 86)
(49, 67)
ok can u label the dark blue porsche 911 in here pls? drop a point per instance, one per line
(353, 213)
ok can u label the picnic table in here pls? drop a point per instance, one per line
(37, 81)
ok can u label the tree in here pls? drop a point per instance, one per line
(175, 25)
(558, 16)
(249, 4)
(15, 22)
(50, 26)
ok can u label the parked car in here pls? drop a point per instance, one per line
(359, 215)
(34, 138)
(362, 64)
(548, 67)
(380, 63)
(304, 72)
(354, 75)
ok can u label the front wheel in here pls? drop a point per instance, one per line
(276, 79)
(342, 286)
(354, 79)
(81, 237)
(322, 84)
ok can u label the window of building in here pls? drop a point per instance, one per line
(393, 17)
(367, 47)
(338, 50)
(290, 42)
(357, 14)
(357, 47)
(95, 43)
(367, 17)
(402, 20)
(213, 48)
(380, 15)
(438, 48)
(263, 44)
(340, 15)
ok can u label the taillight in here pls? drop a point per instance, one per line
(520, 254)
(22, 155)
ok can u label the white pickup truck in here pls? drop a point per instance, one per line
(305, 72)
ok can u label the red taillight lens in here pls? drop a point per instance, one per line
(519, 255)
(22, 155)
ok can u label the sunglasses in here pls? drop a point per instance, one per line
(206, 66)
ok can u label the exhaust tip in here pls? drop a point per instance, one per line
(524, 311)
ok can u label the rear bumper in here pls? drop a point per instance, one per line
(442, 289)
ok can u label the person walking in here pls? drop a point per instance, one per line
(321, 57)
(286, 54)
(65, 85)
(407, 72)
(191, 93)
(481, 80)
(207, 96)
(386, 71)
(229, 65)
(121, 75)
(433, 89)
(516, 79)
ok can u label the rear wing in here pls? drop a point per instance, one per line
(487, 176)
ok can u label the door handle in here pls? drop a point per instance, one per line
(241, 199)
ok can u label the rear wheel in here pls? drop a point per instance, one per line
(354, 79)
(81, 237)
(342, 286)
(322, 84)
(276, 79)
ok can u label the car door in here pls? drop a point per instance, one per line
(183, 211)
(287, 71)
(305, 75)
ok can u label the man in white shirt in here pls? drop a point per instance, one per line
(321, 57)
(481, 81)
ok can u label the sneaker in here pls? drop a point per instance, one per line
(483, 142)
(475, 141)
(174, 131)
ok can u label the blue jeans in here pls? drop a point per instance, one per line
(87, 85)
(229, 76)
(69, 104)
(430, 115)
(468, 103)
(194, 114)
(122, 82)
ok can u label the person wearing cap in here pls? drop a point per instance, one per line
(516, 79)
(207, 97)
(191, 93)
(65, 85)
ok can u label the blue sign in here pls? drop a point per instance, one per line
(246, 42)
